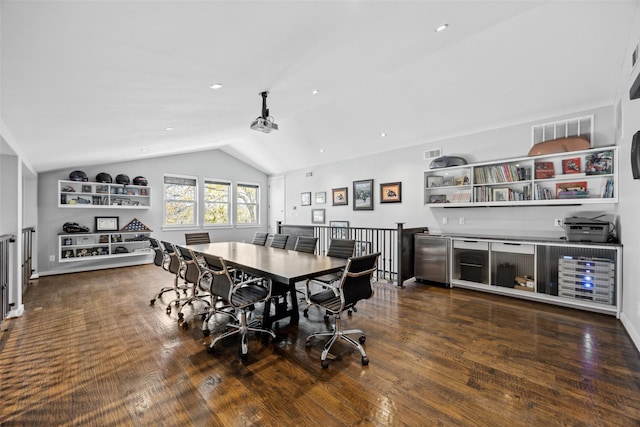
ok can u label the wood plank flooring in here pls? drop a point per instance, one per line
(91, 350)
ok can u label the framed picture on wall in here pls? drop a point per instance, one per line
(391, 192)
(305, 199)
(317, 216)
(107, 223)
(340, 196)
(321, 198)
(363, 195)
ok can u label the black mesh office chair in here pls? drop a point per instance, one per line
(242, 297)
(198, 280)
(197, 238)
(173, 265)
(354, 286)
(159, 253)
(306, 244)
(279, 241)
(260, 239)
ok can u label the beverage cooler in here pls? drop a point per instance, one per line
(431, 258)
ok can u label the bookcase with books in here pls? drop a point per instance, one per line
(576, 177)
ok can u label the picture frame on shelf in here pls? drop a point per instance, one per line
(447, 181)
(600, 163)
(339, 229)
(317, 216)
(438, 198)
(321, 197)
(144, 192)
(340, 196)
(86, 188)
(572, 165)
(305, 199)
(435, 181)
(107, 223)
(500, 194)
(544, 170)
(363, 195)
(102, 189)
(391, 192)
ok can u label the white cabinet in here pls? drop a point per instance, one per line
(74, 194)
(579, 275)
(90, 246)
(577, 177)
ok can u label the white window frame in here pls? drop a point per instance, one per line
(230, 203)
(195, 201)
(238, 204)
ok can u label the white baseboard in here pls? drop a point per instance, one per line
(81, 268)
(16, 312)
(633, 333)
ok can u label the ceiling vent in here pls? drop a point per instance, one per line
(432, 154)
(265, 122)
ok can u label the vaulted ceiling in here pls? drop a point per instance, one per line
(94, 82)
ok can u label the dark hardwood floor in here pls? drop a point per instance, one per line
(91, 350)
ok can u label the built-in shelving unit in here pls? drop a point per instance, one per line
(570, 178)
(578, 275)
(89, 246)
(75, 194)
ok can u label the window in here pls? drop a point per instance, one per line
(247, 203)
(180, 200)
(217, 202)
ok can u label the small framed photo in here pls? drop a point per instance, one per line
(435, 181)
(391, 192)
(102, 188)
(86, 189)
(321, 198)
(447, 181)
(571, 165)
(340, 196)
(500, 194)
(317, 216)
(339, 229)
(438, 198)
(305, 199)
(363, 195)
(107, 223)
(144, 192)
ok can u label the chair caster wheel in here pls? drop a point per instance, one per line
(362, 339)
(365, 361)
(210, 350)
(180, 316)
(185, 325)
(206, 332)
(153, 301)
(307, 344)
(244, 358)
(349, 312)
(177, 304)
(324, 364)
(326, 317)
(168, 309)
(305, 313)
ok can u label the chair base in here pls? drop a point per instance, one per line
(240, 328)
(336, 334)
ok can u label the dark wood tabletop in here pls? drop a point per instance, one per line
(281, 265)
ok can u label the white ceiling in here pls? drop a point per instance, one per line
(95, 82)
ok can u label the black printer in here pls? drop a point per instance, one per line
(578, 229)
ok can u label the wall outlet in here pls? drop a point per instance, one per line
(558, 222)
(461, 221)
(445, 220)
(52, 258)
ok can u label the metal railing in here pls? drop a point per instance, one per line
(27, 255)
(5, 241)
(394, 244)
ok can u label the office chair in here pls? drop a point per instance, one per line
(260, 239)
(197, 238)
(198, 280)
(159, 253)
(242, 297)
(279, 241)
(354, 286)
(173, 265)
(306, 244)
(338, 248)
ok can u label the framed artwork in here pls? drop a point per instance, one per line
(435, 181)
(363, 195)
(438, 198)
(144, 192)
(600, 163)
(317, 216)
(571, 165)
(321, 198)
(340, 196)
(339, 229)
(447, 181)
(391, 192)
(305, 199)
(500, 194)
(86, 189)
(107, 223)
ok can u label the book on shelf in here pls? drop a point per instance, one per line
(571, 165)
(570, 190)
(607, 189)
(600, 163)
(544, 170)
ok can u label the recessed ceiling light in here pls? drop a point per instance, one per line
(168, 129)
(315, 92)
(442, 28)
(144, 150)
(215, 86)
(322, 150)
(383, 134)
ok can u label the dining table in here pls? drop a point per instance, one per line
(284, 267)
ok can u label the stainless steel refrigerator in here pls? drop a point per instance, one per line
(431, 258)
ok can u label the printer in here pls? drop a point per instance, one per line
(578, 229)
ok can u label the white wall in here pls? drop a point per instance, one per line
(408, 166)
(207, 164)
(629, 197)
